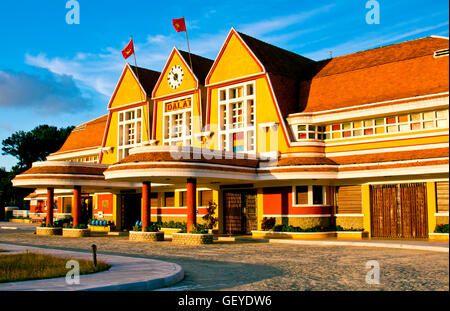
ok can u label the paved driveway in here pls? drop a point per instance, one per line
(264, 266)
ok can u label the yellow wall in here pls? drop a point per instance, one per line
(431, 205)
(234, 62)
(389, 143)
(127, 91)
(366, 208)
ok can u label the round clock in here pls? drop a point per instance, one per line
(175, 76)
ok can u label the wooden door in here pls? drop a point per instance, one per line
(250, 212)
(399, 211)
(384, 211)
(233, 212)
(414, 218)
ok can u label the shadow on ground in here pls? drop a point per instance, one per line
(200, 274)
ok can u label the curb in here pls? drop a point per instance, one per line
(145, 285)
(342, 243)
(125, 274)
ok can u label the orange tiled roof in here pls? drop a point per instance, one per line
(87, 135)
(64, 170)
(402, 70)
(166, 156)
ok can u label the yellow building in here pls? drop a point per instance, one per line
(358, 141)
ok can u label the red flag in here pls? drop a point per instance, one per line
(128, 50)
(179, 24)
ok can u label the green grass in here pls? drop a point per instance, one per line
(33, 266)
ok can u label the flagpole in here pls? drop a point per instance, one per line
(140, 93)
(189, 50)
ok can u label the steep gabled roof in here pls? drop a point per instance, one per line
(402, 70)
(84, 136)
(279, 61)
(147, 78)
(201, 65)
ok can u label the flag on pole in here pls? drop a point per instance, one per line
(179, 24)
(128, 50)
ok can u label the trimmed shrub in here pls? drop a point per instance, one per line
(442, 228)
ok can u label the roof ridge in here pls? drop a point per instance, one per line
(139, 67)
(382, 47)
(277, 47)
(96, 120)
(193, 54)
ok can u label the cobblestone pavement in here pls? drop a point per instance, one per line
(264, 266)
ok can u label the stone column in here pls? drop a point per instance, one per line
(50, 198)
(191, 204)
(146, 204)
(76, 208)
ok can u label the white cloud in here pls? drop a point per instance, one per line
(261, 28)
(48, 92)
(369, 40)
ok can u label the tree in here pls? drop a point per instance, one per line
(35, 145)
(27, 147)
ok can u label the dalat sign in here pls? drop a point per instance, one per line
(178, 105)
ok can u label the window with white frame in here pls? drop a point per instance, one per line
(309, 195)
(130, 131)
(310, 132)
(408, 122)
(177, 126)
(237, 115)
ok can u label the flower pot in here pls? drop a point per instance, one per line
(146, 236)
(76, 233)
(192, 238)
(48, 231)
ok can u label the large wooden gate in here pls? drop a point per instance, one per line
(240, 213)
(399, 211)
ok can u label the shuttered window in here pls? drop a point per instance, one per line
(301, 195)
(442, 196)
(154, 199)
(205, 197)
(349, 200)
(169, 199)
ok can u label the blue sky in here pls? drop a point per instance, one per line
(60, 74)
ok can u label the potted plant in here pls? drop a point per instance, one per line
(150, 233)
(210, 218)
